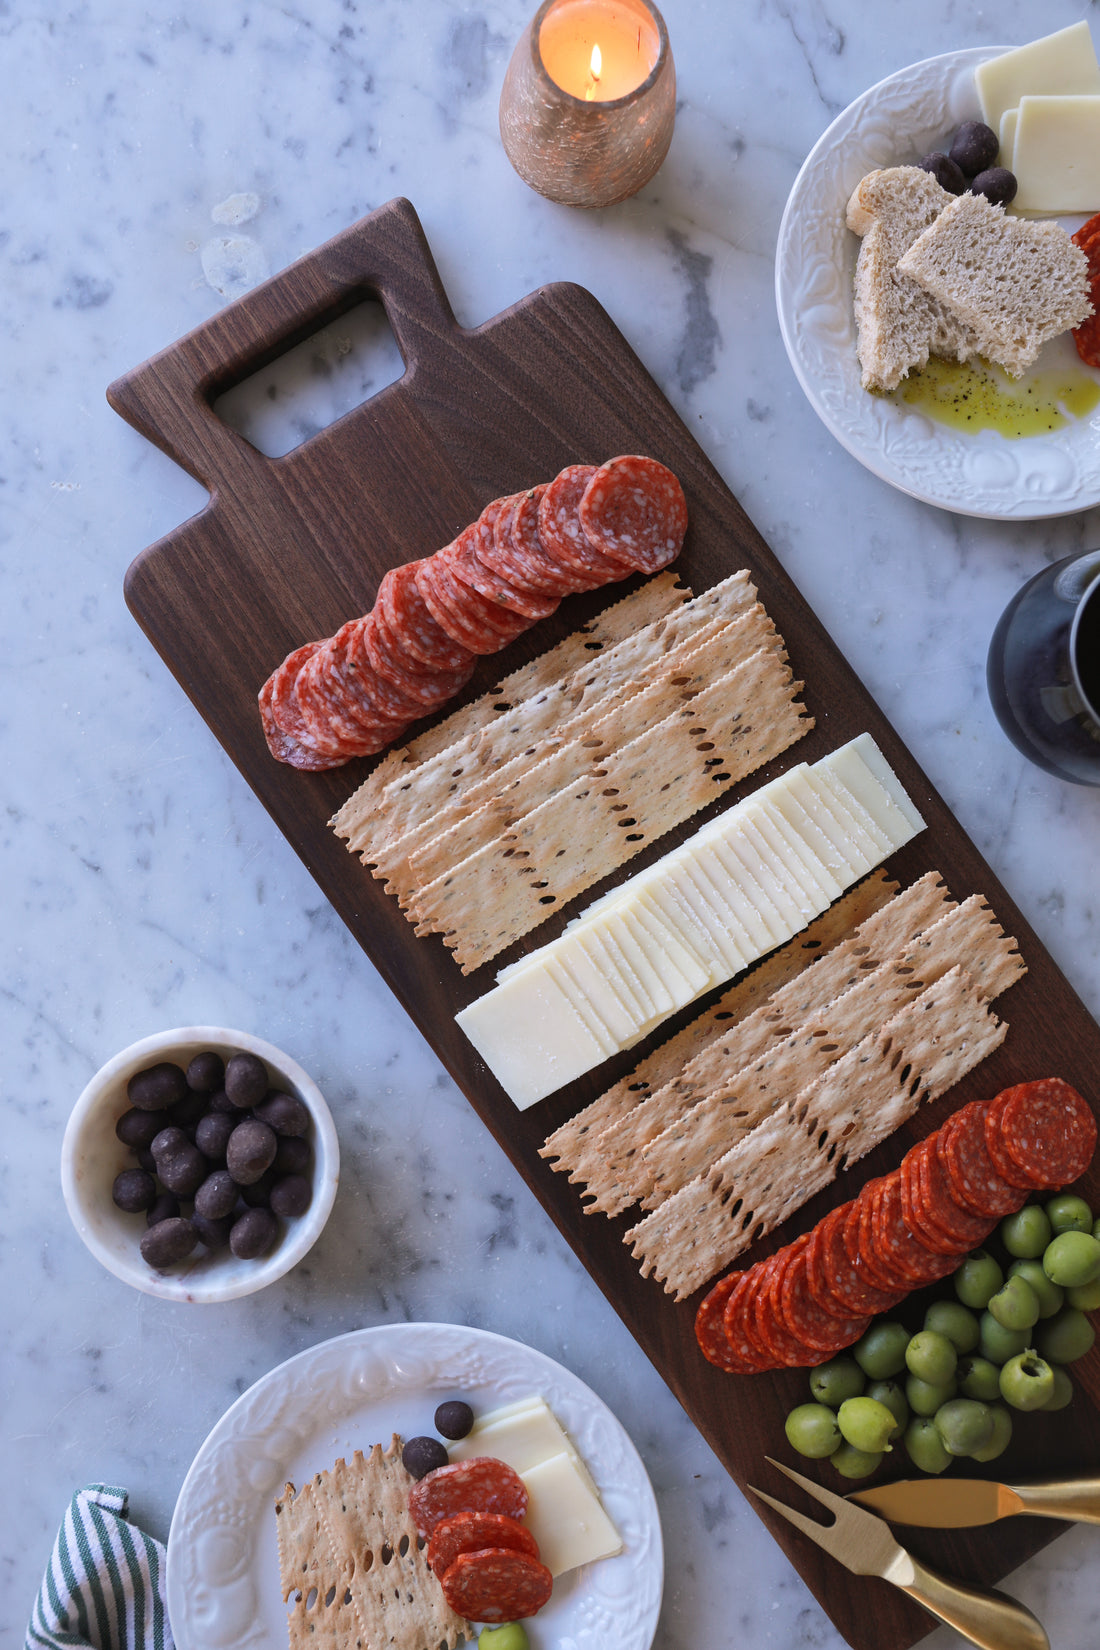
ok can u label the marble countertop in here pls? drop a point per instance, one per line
(157, 163)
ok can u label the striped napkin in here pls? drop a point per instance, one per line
(104, 1585)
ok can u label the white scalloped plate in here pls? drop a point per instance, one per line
(348, 1393)
(984, 474)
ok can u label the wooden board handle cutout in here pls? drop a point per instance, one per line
(170, 397)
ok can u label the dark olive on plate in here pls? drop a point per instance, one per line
(454, 1419)
(293, 1156)
(212, 1134)
(974, 147)
(253, 1233)
(186, 1113)
(157, 1087)
(213, 1233)
(423, 1455)
(217, 1196)
(183, 1172)
(245, 1080)
(168, 1241)
(945, 172)
(998, 185)
(258, 1193)
(138, 1128)
(166, 1142)
(206, 1072)
(251, 1150)
(166, 1207)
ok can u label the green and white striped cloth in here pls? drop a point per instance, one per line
(104, 1585)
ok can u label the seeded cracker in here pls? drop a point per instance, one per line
(917, 1055)
(475, 814)
(619, 1176)
(348, 1534)
(569, 1147)
(968, 934)
(361, 815)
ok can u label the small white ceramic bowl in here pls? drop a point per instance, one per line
(92, 1155)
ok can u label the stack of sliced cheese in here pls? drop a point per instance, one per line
(742, 885)
(1043, 101)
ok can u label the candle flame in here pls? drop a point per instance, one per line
(595, 69)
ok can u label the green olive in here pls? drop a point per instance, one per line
(956, 1321)
(866, 1424)
(1069, 1213)
(1002, 1435)
(1016, 1306)
(931, 1357)
(855, 1463)
(978, 1279)
(840, 1378)
(1065, 1338)
(1027, 1381)
(925, 1397)
(1027, 1232)
(891, 1394)
(1048, 1294)
(512, 1636)
(1086, 1297)
(999, 1344)
(1063, 1390)
(980, 1379)
(1071, 1259)
(964, 1425)
(925, 1446)
(812, 1430)
(881, 1351)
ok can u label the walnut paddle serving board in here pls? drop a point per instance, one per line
(289, 548)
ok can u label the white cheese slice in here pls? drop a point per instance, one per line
(854, 852)
(530, 1036)
(623, 928)
(855, 818)
(1006, 154)
(668, 951)
(711, 866)
(583, 1007)
(597, 989)
(714, 917)
(620, 967)
(522, 1435)
(861, 768)
(566, 1518)
(778, 871)
(1057, 154)
(803, 847)
(1057, 65)
(668, 901)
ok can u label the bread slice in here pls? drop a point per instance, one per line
(1017, 283)
(899, 325)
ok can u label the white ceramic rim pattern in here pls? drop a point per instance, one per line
(347, 1393)
(985, 474)
(111, 1236)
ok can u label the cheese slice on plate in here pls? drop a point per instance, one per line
(746, 882)
(1056, 157)
(1057, 65)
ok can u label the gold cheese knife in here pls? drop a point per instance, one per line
(960, 1503)
(993, 1621)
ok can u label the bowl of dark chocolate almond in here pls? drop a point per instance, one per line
(200, 1164)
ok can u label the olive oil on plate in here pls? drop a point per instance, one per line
(973, 396)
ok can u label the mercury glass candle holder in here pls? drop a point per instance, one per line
(589, 100)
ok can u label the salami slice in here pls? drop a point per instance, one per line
(345, 687)
(634, 511)
(284, 745)
(466, 617)
(938, 1209)
(480, 1484)
(1087, 336)
(860, 1230)
(1048, 1131)
(469, 1532)
(1009, 1170)
(562, 536)
(788, 1350)
(467, 562)
(844, 1274)
(300, 710)
(971, 1172)
(412, 624)
(424, 689)
(496, 1584)
(728, 1349)
(906, 1255)
(524, 551)
(807, 1322)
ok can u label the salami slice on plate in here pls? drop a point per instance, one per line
(481, 1484)
(496, 1584)
(470, 1532)
(564, 539)
(634, 512)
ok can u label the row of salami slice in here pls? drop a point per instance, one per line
(485, 1559)
(356, 692)
(906, 1229)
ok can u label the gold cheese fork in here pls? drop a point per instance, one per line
(864, 1543)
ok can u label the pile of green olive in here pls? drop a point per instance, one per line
(1000, 1345)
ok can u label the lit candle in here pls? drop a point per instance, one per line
(589, 100)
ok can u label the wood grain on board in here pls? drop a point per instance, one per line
(289, 548)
